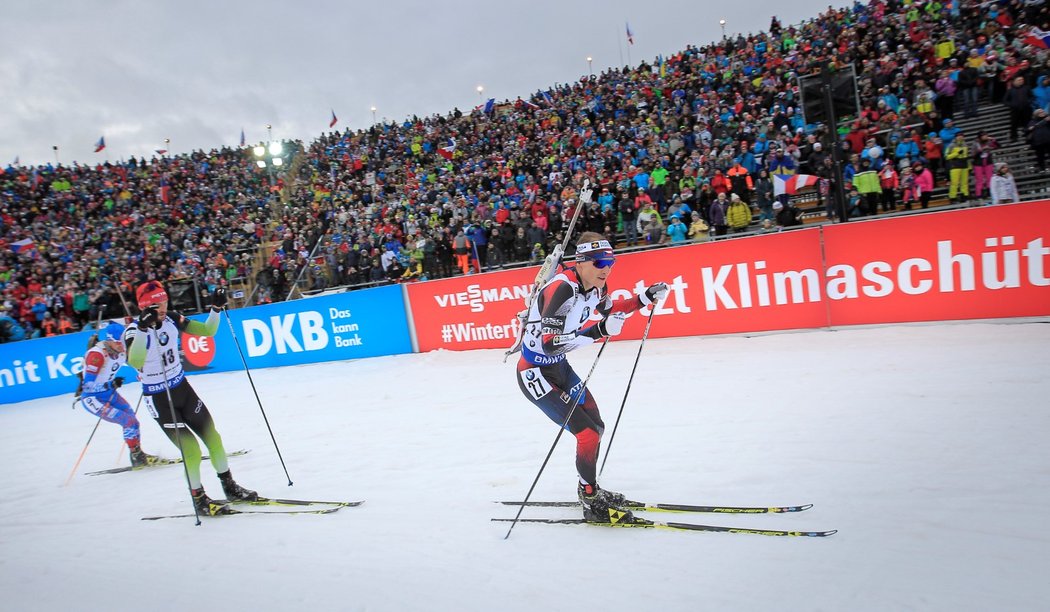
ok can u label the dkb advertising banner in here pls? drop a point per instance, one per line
(350, 325)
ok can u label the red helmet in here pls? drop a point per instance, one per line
(150, 293)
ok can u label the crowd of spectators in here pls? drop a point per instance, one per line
(75, 239)
(681, 148)
(684, 142)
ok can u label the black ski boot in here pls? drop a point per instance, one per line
(601, 506)
(234, 491)
(207, 506)
(140, 458)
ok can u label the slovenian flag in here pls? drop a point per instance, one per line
(792, 183)
(334, 120)
(24, 244)
(448, 150)
(630, 35)
(1038, 38)
(101, 144)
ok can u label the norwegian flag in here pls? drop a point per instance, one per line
(449, 150)
(791, 184)
(101, 144)
(334, 120)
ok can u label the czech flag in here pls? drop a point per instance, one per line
(334, 120)
(101, 144)
(449, 150)
(630, 35)
(1038, 38)
(161, 151)
(792, 183)
(24, 244)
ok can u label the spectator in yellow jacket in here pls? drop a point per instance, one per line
(958, 159)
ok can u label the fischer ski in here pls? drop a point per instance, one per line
(645, 507)
(233, 512)
(549, 268)
(266, 501)
(159, 463)
(640, 523)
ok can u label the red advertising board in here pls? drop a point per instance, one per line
(780, 275)
(976, 263)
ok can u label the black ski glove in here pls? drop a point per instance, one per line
(148, 318)
(117, 382)
(218, 299)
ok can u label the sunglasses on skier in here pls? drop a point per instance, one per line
(599, 260)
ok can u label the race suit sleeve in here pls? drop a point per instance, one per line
(197, 328)
(93, 363)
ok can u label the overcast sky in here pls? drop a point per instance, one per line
(197, 72)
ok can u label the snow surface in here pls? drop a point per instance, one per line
(924, 445)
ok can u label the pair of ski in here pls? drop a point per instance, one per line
(617, 519)
(305, 506)
(159, 462)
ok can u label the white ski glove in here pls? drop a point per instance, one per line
(653, 294)
(612, 325)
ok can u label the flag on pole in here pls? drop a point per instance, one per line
(630, 35)
(334, 120)
(790, 184)
(165, 191)
(448, 150)
(161, 151)
(242, 137)
(101, 144)
(1038, 38)
(490, 105)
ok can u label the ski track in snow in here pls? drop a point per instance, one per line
(924, 445)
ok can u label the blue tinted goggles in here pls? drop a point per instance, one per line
(600, 260)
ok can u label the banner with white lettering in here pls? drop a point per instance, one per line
(349, 325)
(984, 262)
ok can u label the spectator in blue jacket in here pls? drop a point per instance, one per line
(677, 230)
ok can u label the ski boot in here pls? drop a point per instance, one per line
(206, 506)
(140, 458)
(234, 491)
(602, 506)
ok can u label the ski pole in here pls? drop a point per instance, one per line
(612, 436)
(247, 371)
(550, 265)
(579, 398)
(84, 450)
(177, 426)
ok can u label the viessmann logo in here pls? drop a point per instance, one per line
(476, 297)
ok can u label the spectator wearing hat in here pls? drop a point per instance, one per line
(738, 215)
(866, 182)
(786, 215)
(1039, 137)
(983, 162)
(677, 231)
(889, 180)
(959, 162)
(699, 231)
(909, 191)
(923, 183)
(1002, 186)
(719, 209)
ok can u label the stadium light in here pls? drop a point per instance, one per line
(277, 161)
(275, 148)
(260, 163)
(480, 90)
(589, 71)
(259, 151)
(722, 22)
(373, 114)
